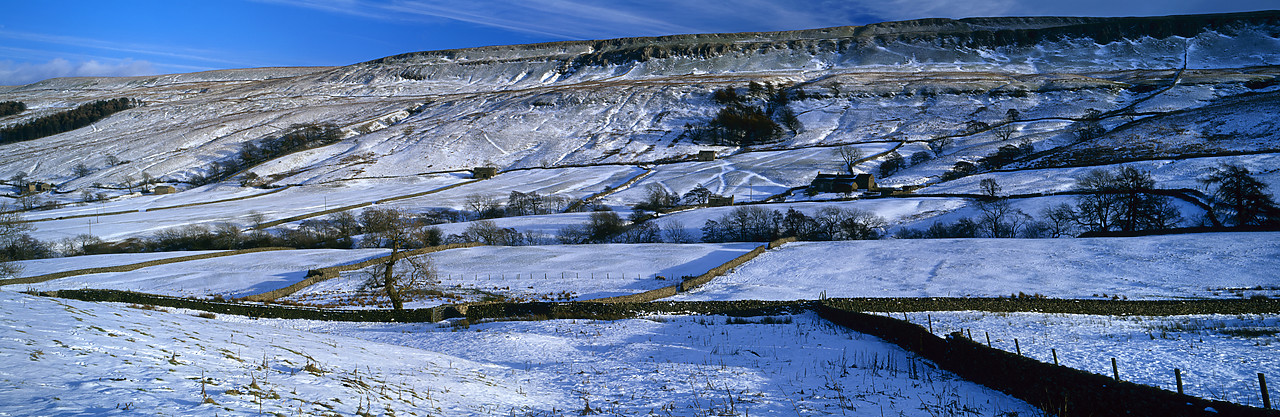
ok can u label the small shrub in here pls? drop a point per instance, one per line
(206, 315)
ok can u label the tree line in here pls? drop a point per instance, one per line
(65, 121)
(1120, 200)
(10, 108)
(297, 138)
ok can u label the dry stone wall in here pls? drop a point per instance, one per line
(130, 267)
(324, 274)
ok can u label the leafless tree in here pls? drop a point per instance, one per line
(1059, 220)
(81, 170)
(483, 206)
(940, 145)
(989, 187)
(416, 274)
(12, 229)
(1000, 220)
(1004, 132)
(850, 156)
(674, 232)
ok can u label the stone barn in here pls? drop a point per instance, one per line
(719, 201)
(706, 156)
(38, 187)
(865, 182)
(484, 173)
(164, 189)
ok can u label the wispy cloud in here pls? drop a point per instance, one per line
(185, 54)
(597, 19)
(25, 73)
(577, 19)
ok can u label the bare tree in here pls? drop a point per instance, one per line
(1059, 220)
(146, 182)
(483, 206)
(418, 274)
(129, 183)
(12, 230)
(1004, 132)
(658, 197)
(850, 156)
(81, 170)
(674, 232)
(1000, 220)
(19, 180)
(940, 145)
(989, 187)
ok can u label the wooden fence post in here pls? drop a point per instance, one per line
(1055, 355)
(988, 338)
(929, 317)
(1017, 347)
(1266, 397)
(1115, 370)
(1177, 377)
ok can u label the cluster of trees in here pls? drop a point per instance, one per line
(1123, 200)
(893, 162)
(65, 121)
(757, 224)
(659, 198)
(10, 108)
(1090, 127)
(518, 204)
(759, 116)
(297, 138)
(1003, 156)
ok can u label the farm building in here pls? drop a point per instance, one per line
(842, 183)
(864, 182)
(706, 156)
(719, 201)
(165, 189)
(38, 187)
(484, 173)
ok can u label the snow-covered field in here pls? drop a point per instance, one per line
(701, 365)
(1154, 267)
(66, 357)
(579, 272)
(113, 358)
(228, 276)
(33, 267)
(1219, 356)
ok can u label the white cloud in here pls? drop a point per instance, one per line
(12, 73)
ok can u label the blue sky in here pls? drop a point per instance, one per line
(54, 38)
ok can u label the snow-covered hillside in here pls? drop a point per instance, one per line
(628, 100)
